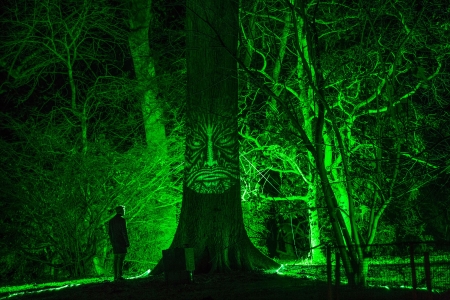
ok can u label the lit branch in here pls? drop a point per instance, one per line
(263, 16)
(322, 22)
(373, 96)
(337, 31)
(288, 198)
(419, 160)
(409, 94)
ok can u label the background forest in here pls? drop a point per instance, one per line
(93, 103)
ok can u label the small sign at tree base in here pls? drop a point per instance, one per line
(178, 265)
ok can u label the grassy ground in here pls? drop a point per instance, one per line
(284, 284)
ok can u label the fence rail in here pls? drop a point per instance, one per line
(415, 265)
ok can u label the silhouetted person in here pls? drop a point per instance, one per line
(118, 235)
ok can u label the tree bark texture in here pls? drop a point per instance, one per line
(211, 215)
(144, 68)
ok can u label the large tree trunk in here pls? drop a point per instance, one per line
(144, 68)
(315, 240)
(211, 215)
(213, 225)
(311, 69)
(307, 102)
(144, 63)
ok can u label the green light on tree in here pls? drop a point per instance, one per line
(211, 162)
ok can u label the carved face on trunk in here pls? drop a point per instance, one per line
(211, 155)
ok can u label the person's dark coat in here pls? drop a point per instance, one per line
(118, 235)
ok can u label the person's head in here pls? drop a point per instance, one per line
(120, 210)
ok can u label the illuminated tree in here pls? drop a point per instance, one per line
(144, 68)
(211, 214)
(346, 101)
(337, 97)
(62, 72)
(48, 38)
(271, 41)
(74, 138)
(163, 209)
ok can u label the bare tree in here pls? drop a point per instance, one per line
(349, 103)
(74, 133)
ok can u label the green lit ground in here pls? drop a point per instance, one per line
(386, 272)
(34, 288)
(292, 279)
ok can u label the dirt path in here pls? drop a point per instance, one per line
(239, 285)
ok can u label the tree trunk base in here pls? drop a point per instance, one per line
(242, 257)
(212, 225)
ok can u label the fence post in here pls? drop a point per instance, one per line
(337, 275)
(426, 260)
(329, 272)
(413, 269)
